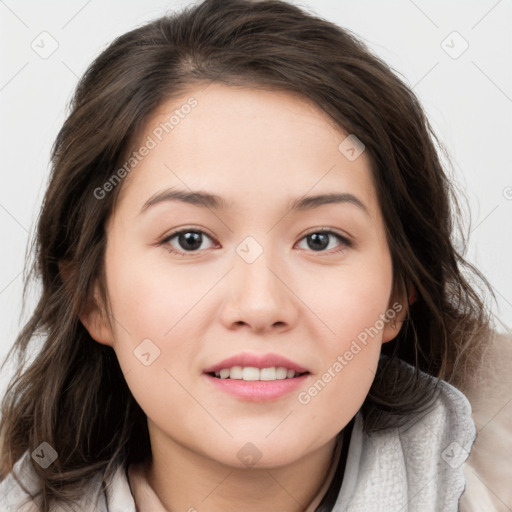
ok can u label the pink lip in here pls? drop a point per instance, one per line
(257, 390)
(256, 361)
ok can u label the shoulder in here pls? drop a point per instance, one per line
(488, 469)
(417, 467)
(20, 490)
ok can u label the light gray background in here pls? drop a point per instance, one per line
(468, 100)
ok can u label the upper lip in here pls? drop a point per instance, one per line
(256, 361)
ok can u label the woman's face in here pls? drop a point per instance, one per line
(264, 272)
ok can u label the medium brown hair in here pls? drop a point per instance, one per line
(73, 394)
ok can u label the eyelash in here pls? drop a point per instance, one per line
(345, 242)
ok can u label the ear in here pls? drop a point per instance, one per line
(93, 315)
(397, 313)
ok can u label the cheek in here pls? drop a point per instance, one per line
(350, 300)
(150, 296)
(149, 308)
(353, 305)
(350, 359)
(152, 309)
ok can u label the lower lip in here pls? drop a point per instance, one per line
(258, 390)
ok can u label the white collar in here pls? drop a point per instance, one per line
(414, 469)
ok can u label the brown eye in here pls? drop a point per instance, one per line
(319, 241)
(186, 240)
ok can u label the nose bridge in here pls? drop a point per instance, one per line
(258, 295)
(256, 266)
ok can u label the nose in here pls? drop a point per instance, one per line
(259, 296)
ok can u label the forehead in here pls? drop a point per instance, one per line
(247, 144)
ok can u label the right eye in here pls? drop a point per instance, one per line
(187, 240)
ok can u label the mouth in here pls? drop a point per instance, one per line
(252, 373)
(256, 377)
(249, 376)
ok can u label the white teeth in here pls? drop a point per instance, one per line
(236, 372)
(281, 373)
(268, 374)
(252, 373)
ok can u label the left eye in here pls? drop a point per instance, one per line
(318, 241)
(189, 240)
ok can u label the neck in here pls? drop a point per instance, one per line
(188, 481)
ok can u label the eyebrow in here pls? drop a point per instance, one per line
(215, 202)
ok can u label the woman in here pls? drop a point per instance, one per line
(298, 354)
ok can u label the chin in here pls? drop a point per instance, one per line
(263, 454)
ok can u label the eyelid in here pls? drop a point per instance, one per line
(342, 235)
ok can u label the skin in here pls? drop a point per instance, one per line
(258, 149)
